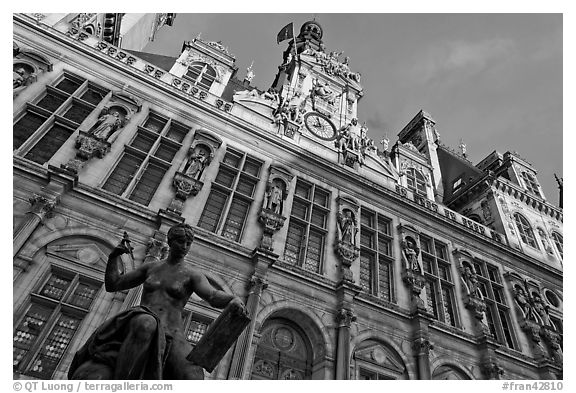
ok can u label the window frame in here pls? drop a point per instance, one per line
(199, 80)
(413, 179)
(525, 231)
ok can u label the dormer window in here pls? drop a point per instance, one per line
(531, 183)
(456, 185)
(201, 75)
(415, 182)
(525, 230)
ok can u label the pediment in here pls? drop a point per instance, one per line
(380, 356)
(89, 254)
(259, 105)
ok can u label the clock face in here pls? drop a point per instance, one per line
(320, 126)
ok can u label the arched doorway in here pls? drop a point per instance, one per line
(284, 352)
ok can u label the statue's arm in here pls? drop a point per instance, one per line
(115, 280)
(215, 297)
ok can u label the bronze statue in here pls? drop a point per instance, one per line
(148, 341)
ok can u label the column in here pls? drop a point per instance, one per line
(262, 259)
(422, 347)
(344, 318)
(41, 208)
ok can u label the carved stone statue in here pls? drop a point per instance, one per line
(108, 123)
(148, 341)
(274, 197)
(471, 281)
(540, 309)
(198, 160)
(18, 77)
(410, 251)
(347, 227)
(522, 301)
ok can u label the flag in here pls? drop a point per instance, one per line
(285, 33)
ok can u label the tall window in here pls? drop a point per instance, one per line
(531, 183)
(439, 280)
(497, 311)
(376, 259)
(201, 75)
(307, 229)
(525, 230)
(415, 182)
(195, 325)
(231, 195)
(146, 159)
(52, 118)
(559, 242)
(55, 311)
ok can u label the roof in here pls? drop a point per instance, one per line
(160, 61)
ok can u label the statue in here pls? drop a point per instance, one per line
(522, 301)
(347, 226)
(148, 341)
(273, 198)
(410, 251)
(198, 160)
(250, 73)
(348, 136)
(106, 126)
(541, 310)
(18, 77)
(471, 281)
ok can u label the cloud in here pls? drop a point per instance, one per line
(466, 58)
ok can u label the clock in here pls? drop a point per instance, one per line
(320, 126)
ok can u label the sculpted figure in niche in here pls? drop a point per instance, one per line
(411, 252)
(274, 197)
(18, 77)
(471, 281)
(347, 227)
(540, 309)
(148, 341)
(198, 160)
(107, 125)
(545, 241)
(522, 301)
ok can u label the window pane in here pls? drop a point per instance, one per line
(123, 174)
(444, 271)
(493, 274)
(321, 197)
(213, 210)
(367, 218)
(440, 250)
(367, 238)
(431, 298)
(448, 306)
(367, 271)
(83, 295)
(252, 167)
(54, 347)
(246, 186)
(166, 151)
(68, 85)
(177, 132)
(294, 243)
(235, 220)
(25, 127)
(28, 330)
(196, 330)
(225, 177)
(506, 329)
(428, 263)
(51, 101)
(303, 190)
(77, 112)
(490, 320)
(148, 183)
(384, 278)
(233, 158)
(426, 244)
(94, 95)
(155, 123)
(55, 287)
(384, 245)
(143, 141)
(49, 144)
(300, 209)
(384, 225)
(314, 252)
(318, 218)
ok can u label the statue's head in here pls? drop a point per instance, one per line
(180, 231)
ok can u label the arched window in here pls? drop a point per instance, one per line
(284, 352)
(201, 75)
(415, 182)
(559, 242)
(531, 183)
(525, 230)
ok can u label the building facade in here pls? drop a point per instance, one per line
(355, 262)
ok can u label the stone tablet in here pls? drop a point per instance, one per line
(218, 339)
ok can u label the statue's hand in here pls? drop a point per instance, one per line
(120, 249)
(238, 306)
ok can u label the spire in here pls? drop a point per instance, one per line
(560, 182)
(462, 147)
(249, 73)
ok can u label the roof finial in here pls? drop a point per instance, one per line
(462, 147)
(250, 73)
(560, 182)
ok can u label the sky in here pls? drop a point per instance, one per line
(492, 80)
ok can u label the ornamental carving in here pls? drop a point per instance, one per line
(271, 223)
(186, 186)
(87, 147)
(41, 206)
(196, 57)
(345, 317)
(331, 64)
(353, 143)
(491, 369)
(422, 346)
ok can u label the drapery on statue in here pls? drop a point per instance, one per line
(148, 341)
